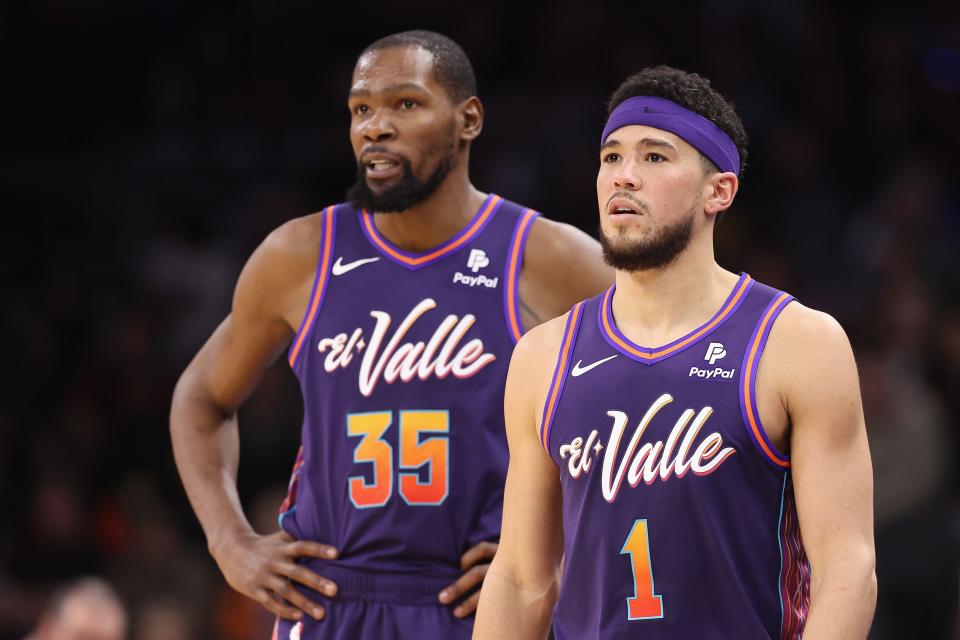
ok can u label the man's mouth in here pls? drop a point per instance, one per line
(380, 165)
(624, 206)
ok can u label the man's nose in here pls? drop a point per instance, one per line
(624, 179)
(627, 175)
(379, 128)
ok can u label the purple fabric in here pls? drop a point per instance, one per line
(702, 134)
(357, 619)
(713, 535)
(519, 236)
(393, 341)
(780, 304)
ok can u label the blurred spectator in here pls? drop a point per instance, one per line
(87, 609)
(164, 619)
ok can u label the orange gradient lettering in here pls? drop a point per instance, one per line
(432, 452)
(374, 450)
(645, 604)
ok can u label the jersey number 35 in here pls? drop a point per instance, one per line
(415, 453)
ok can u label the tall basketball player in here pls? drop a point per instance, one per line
(715, 486)
(400, 309)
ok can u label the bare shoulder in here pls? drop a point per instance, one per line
(532, 365)
(278, 275)
(563, 249)
(562, 265)
(810, 357)
(806, 334)
(295, 241)
(542, 343)
(551, 237)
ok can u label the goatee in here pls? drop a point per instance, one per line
(651, 253)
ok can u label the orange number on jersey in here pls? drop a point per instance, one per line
(644, 604)
(374, 450)
(433, 452)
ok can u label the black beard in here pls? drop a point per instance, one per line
(406, 193)
(643, 255)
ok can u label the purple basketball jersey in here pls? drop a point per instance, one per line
(678, 511)
(402, 360)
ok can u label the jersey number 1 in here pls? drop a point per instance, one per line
(433, 452)
(645, 604)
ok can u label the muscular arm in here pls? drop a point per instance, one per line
(521, 586)
(269, 298)
(561, 266)
(811, 363)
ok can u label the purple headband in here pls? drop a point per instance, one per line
(703, 135)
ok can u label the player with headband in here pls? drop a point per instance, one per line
(715, 486)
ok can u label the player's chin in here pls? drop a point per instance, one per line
(384, 178)
(624, 221)
(624, 234)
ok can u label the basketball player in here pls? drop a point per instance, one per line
(400, 309)
(684, 486)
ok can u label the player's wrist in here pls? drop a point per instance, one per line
(225, 538)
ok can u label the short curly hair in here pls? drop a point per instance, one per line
(690, 91)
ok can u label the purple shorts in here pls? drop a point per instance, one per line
(378, 606)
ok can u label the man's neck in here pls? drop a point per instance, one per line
(657, 306)
(435, 220)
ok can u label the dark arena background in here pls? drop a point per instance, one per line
(147, 148)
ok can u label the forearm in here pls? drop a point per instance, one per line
(509, 610)
(842, 604)
(206, 447)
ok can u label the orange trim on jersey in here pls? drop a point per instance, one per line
(384, 246)
(754, 419)
(731, 305)
(513, 313)
(322, 276)
(559, 374)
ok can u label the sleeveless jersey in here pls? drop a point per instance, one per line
(678, 511)
(402, 360)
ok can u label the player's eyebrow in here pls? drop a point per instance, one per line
(399, 87)
(645, 142)
(655, 142)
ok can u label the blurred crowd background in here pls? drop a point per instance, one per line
(148, 147)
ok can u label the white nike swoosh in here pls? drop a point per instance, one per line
(579, 371)
(339, 268)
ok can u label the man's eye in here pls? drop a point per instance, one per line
(611, 157)
(655, 157)
(408, 104)
(361, 109)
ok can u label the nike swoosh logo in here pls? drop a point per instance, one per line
(339, 268)
(579, 371)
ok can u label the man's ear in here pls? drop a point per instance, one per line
(721, 190)
(470, 114)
